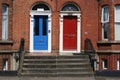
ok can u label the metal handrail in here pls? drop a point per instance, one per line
(21, 55)
(90, 51)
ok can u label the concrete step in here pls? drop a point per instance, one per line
(56, 69)
(54, 66)
(58, 57)
(59, 65)
(54, 60)
(61, 74)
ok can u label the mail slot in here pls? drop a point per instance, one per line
(70, 35)
(41, 41)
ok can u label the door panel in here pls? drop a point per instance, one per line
(70, 33)
(40, 32)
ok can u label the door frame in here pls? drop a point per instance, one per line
(41, 13)
(62, 14)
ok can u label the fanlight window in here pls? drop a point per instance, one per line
(41, 7)
(70, 7)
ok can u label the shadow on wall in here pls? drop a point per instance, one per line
(108, 73)
(8, 73)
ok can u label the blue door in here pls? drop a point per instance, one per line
(40, 32)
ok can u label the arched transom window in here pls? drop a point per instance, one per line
(70, 7)
(41, 7)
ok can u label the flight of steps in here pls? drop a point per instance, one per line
(57, 66)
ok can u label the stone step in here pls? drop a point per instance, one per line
(55, 60)
(58, 66)
(55, 66)
(58, 57)
(68, 59)
(60, 74)
(56, 69)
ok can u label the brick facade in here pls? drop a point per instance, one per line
(91, 27)
(24, 29)
(108, 50)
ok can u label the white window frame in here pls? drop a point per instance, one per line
(103, 64)
(5, 16)
(118, 64)
(95, 65)
(103, 21)
(117, 31)
(5, 64)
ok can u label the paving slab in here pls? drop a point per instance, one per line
(58, 78)
(9, 78)
(46, 78)
(107, 78)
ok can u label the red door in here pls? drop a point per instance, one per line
(70, 33)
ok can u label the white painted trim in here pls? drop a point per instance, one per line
(5, 66)
(62, 14)
(104, 22)
(118, 64)
(48, 13)
(103, 65)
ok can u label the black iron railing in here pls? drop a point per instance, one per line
(89, 49)
(21, 55)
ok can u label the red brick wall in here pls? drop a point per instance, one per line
(112, 60)
(21, 20)
(5, 56)
(19, 24)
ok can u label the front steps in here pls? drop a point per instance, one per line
(57, 66)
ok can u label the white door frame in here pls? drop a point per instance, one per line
(32, 13)
(62, 14)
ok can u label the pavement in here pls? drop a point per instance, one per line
(57, 78)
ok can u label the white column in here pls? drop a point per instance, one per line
(31, 32)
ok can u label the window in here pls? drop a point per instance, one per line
(44, 33)
(95, 65)
(118, 64)
(36, 28)
(117, 22)
(104, 64)
(5, 64)
(41, 7)
(105, 22)
(70, 7)
(4, 22)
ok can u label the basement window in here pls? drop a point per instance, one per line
(95, 65)
(5, 65)
(105, 64)
(118, 64)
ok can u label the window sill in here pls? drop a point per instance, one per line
(8, 51)
(6, 42)
(108, 42)
(108, 51)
